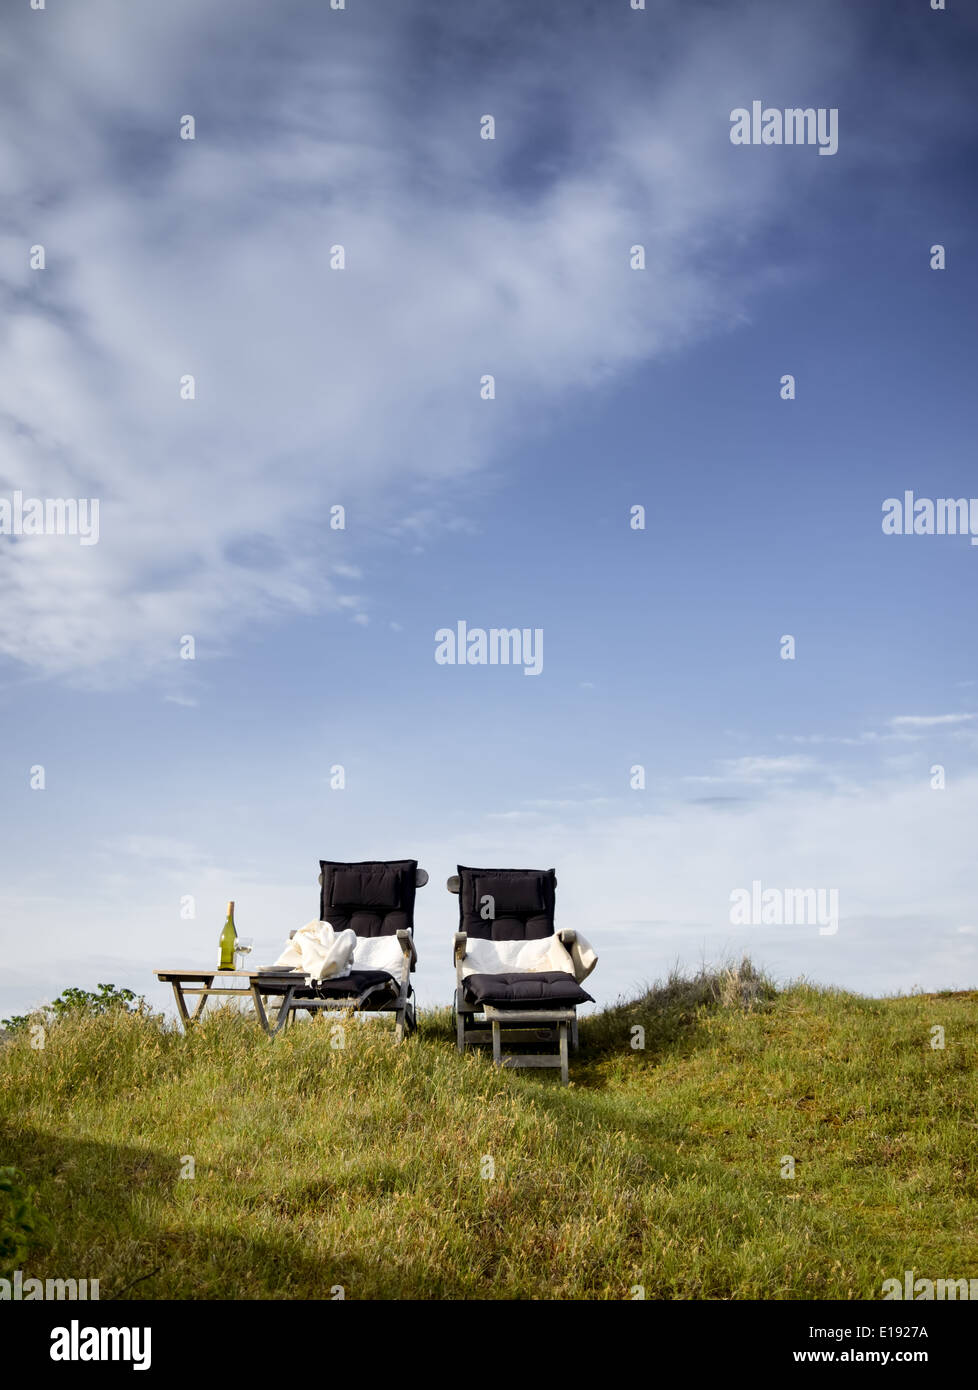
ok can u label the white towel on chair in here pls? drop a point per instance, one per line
(380, 953)
(320, 952)
(546, 953)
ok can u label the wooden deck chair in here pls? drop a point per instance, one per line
(376, 899)
(500, 911)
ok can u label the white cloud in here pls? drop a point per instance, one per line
(928, 721)
(903, 728)
(316, 386)
(568, 803)
(758, 769)
(846, 741)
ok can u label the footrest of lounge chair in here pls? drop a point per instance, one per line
(530, 1018)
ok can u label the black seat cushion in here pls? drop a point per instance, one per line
(506, 904)
(374, 897)
(351, 986)
(525, 989)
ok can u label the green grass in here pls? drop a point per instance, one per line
(362, 1167)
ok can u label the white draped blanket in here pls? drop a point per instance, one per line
(320, 952)
(324, 954)
(546, 953)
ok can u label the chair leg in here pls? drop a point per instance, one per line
(405, 1021)
(497, 1043)
(564, 1063)
(575, 1043)
(404, 1014)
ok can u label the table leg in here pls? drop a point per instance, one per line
(284, 1013)
(260, 1007)
(181, 1006)
(285, 1010)
(208, 983)
(187, 1018)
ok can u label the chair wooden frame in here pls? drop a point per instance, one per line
(493, 1025)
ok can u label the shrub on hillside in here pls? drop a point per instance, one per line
(75, 1003)
(20, 1224)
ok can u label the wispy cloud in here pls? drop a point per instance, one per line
(928, 721)
(901, 728)
(758, 769)
(317, 386)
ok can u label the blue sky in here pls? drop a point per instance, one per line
(360, 387)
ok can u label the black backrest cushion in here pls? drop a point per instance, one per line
(506, 904)
(373, 885)
(375, 897)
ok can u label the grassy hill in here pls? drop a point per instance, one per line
(362, 1166)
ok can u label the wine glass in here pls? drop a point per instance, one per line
(242, 948)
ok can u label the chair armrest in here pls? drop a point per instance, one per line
(568, 937)
(458, 955)
(407, 946)
(453, 884)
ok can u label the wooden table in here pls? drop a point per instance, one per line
(201, 983)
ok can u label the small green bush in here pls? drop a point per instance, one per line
(20, 1224)
(76, 1003)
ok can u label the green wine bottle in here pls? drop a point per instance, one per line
(228, 937)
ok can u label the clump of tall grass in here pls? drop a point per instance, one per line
(667, 1011)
